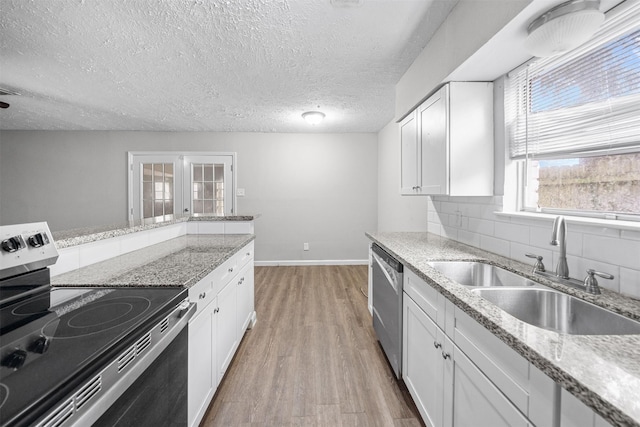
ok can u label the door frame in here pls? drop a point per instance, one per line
(185, 174)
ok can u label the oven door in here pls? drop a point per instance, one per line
(146, 385)
(159, 395)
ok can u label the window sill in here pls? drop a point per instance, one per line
(595, 222)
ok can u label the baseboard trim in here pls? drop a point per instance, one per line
(311, 262)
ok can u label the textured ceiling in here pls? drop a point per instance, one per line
(208, 65)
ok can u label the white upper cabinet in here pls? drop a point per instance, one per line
(410, 179)
(447, 142)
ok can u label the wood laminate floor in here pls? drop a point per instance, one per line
(312, 359)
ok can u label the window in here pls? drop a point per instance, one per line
(164, 184)
(574, 121)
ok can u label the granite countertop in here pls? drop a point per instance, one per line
(602, 371)
(79, 236)
(182, 261)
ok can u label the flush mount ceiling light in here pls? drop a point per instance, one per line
(313, 117)
(564, 27)
(6, 92)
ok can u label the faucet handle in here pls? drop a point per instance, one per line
(538, 266)
(590, 282)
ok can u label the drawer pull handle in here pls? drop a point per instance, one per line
(231, 270)
(202, 295)
(437, 345)
(216, 310)
(446, 356)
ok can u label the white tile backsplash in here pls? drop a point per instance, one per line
(595, 246)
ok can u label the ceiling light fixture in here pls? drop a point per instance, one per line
(6, 92)
(564, 27)
(313, 117)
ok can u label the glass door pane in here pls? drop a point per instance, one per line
(210, 176)
(157, 191)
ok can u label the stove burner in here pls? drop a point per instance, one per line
(4, 393)
(95, 318)
(32, 306)
(100, 315)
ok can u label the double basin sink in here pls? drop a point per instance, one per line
(534, 303)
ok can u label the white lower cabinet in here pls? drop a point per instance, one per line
(460, 374)
(574, 413)
(227, 339)
(476, 401)
(225, 308)
(202, 381)
(423, 365)
(448, 389)
(246, 298)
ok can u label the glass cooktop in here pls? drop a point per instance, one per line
(56, 338)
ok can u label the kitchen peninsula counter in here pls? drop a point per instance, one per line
(602, 371)
(79, 236)
(182, 261)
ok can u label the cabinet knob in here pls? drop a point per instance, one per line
(231, 270)
(437, 344)
(446, 356)
(202, 295)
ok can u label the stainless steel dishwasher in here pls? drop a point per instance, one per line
(387, 305)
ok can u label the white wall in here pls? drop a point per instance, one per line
(469, 26)
(396, 212)
(315, 188)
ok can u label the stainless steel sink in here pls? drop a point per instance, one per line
(559, 312)
(479, 274)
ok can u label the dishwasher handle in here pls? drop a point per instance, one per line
(393, 277)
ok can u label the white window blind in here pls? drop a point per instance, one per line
(581, 103)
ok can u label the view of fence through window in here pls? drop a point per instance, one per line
(574, 111)
(605, 183)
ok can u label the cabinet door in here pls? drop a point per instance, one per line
(423, 362)
(202, 376)
(574, 413)
(476, 401)
(226, 339)
(434, 148)
(409, 163)
(245, 297)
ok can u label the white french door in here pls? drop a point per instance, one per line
(165, 184)
(208, 185)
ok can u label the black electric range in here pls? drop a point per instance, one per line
(54, 342)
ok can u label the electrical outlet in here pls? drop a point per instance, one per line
(305, 246)
(240, 192)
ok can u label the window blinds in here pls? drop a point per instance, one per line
(580, 103)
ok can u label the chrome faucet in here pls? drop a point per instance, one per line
(559, 238)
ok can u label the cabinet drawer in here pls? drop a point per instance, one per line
(202, 293)
(502, 365)
(245, 255)
(427, 298)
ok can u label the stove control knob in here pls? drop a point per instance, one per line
(15, 360)
(38, 239)
(10, 245)
(40, 345)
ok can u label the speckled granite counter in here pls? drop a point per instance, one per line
(182, 261)
(79, 236)
(602, 371)
(225, 218)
